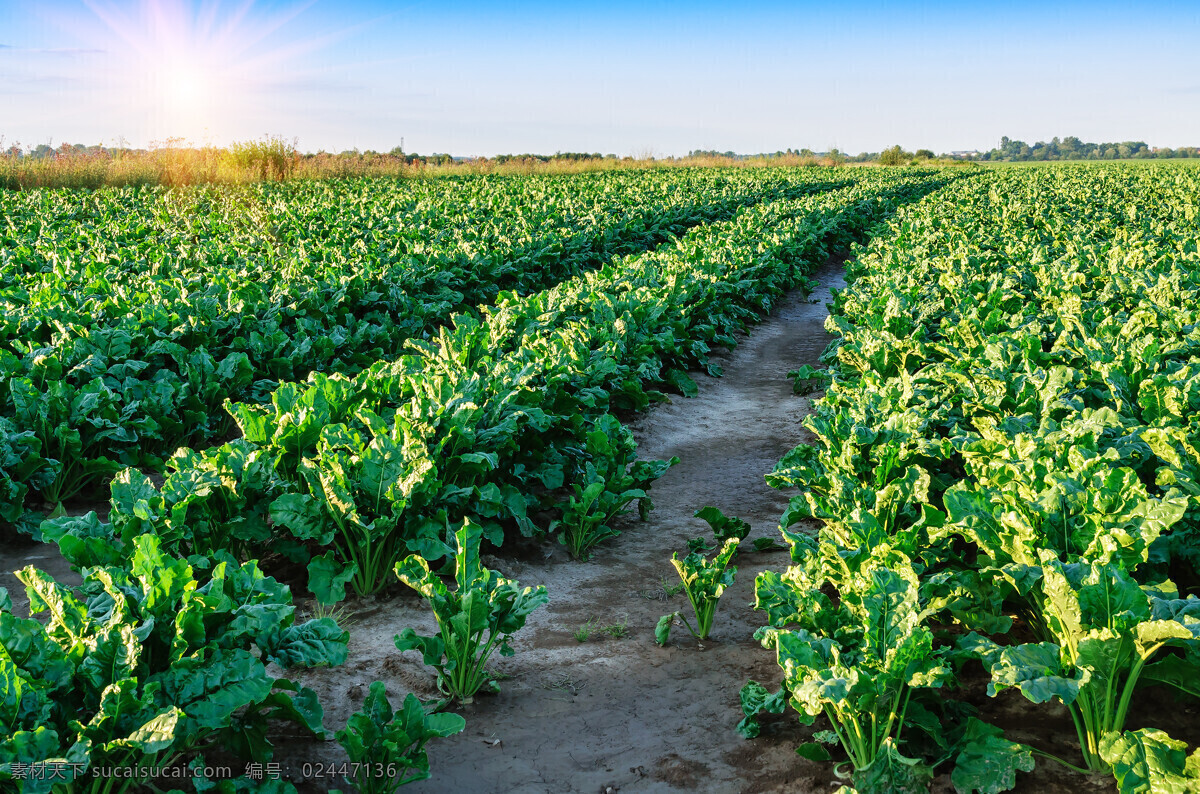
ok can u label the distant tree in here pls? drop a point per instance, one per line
(894, 156)
(923, 154)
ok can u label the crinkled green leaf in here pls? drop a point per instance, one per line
(988, 763)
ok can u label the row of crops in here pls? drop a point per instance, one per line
(1007, 478)
(463, 349)
(130, 316)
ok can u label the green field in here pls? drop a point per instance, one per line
(214, 399)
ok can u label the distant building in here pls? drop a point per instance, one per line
(964, 154)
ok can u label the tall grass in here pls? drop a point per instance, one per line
(274, 159)
(171, 163)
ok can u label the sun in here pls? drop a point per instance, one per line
(195, 69)
(184, 84)
(187, 92)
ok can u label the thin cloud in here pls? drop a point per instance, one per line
(67, 51)
(35, 84)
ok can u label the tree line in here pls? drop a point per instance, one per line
(1072, 148)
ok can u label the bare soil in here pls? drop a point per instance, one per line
(619, 713)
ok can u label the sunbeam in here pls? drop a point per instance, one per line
(195, 70)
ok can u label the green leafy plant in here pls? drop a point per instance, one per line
(386, 747)
(480, 615)
(808, 379)
(1103, 630)
(855, 659)
(360, 486)
(612, 478)
(704, 580)
(1150, 760)
(145, 667)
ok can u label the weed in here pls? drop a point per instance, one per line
(564, 684)
(616, 631)
(338, 613)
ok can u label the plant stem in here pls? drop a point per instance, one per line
(1058, 760)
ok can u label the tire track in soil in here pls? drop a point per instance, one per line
(622, 714)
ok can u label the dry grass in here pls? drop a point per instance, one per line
(176, 163)
(172, 165)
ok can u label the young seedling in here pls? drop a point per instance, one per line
(704, 581)
(386, 748)
(807, 379)
(480, 615)
(616, 630)
(723, 527)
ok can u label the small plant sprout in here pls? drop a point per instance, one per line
(723, 527)
(473, 620)
(808, 379)
(593, 626)
(704, 581)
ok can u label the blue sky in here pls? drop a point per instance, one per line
(626, 78)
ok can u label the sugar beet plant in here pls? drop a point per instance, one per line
(856, 657)
(1012, 411)
(386, 747)
(143, 667)
(476, 618)
(704, 582)
(612, 479)
(705, 579)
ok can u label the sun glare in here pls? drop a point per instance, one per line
(193, 70)
(184, 85)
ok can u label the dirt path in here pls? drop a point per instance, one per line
(622, 714)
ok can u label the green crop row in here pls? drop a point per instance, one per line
(129, 316)
(1007, 475)
(497, 419)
